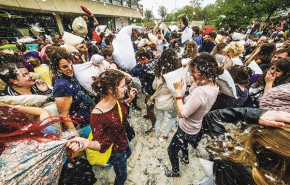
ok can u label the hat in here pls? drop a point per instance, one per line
(182, 15)
(80, 27)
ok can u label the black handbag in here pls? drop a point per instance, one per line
(77, 172)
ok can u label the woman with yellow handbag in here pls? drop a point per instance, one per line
(108, 120)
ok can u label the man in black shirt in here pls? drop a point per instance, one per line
(90, 26)
(209, 42)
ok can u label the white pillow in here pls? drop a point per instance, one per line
(164, 28)
(123, 53)
(152, 38)
(238, 36)
(255, 67)
(186, 35)
(226, 84)
(174, 28)
(98, 59)
(25, 100)
(173, 76)
(207, 166)
(69, 49)
(100, 28)
(79, 25)
(142, 43)
(84, 72)
(71, 39)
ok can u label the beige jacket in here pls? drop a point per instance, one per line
(164, 99)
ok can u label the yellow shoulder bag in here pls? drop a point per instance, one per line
(95, 157)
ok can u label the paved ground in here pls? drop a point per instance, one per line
(149, 158)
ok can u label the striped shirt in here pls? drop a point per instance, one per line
(107, 128)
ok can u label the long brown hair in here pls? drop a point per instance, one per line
(110, 78)
(167, 62)
(207, 66)
(191, 49)
(284, 65)
(265, 150)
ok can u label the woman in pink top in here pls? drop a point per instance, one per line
(203, 93)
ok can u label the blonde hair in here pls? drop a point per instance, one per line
(235, 47)
(265, 150)
(190, 50)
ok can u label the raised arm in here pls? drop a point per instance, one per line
(214, 121)
(96, 23)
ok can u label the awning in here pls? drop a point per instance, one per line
(71, 6)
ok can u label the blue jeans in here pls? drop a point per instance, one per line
(119, 162)
(160, 118)
(179, 142)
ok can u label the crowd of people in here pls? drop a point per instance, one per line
(180, 76)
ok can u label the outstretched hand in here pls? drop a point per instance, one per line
(274, 118)
(78, 144)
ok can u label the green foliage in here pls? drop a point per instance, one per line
(151, 24)
(148, 15)
(162, 11)
(170, 17)
(240, 12)
(224, 13)
(196, 3)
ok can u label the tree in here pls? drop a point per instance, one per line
(170, 17)
(240, 12)
(196, 3)
(208, 12)
(148, 15)
(162, 11)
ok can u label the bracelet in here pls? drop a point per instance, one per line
(179, 98)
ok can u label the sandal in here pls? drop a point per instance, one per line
(183, 158)
(146, 117)
(150, 130)
(170, 173)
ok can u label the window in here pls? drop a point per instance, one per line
(134, 4)
(117, 2)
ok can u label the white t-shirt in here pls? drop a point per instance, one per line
(160, 45)
(237, 61)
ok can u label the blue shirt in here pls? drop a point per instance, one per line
(79, 109)
(146, 75)
(198, 41)
(224, 101)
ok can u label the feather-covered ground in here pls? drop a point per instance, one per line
(149, 157)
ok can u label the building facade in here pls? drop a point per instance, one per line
(55, 16)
